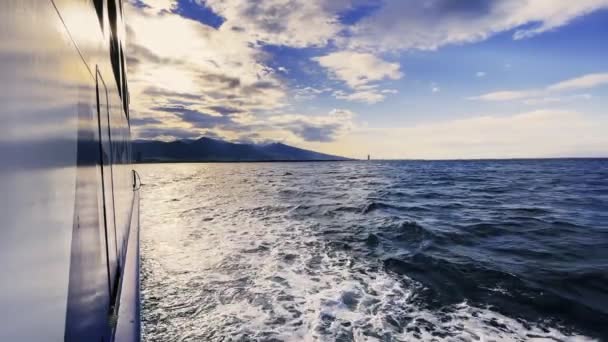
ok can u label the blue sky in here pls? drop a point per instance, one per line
(430, 79)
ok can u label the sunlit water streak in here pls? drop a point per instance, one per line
(387, 251)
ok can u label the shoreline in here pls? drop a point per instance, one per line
(240, 161)
(364, 160)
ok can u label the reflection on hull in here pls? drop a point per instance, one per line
(69, 215)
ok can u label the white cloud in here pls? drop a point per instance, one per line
(358, 69)
(308, 93)
(578, 83)
(160, 5)
(480, 74)
(507, 95)
(214, 82)
(365, 96)
(428, 25)
(214, 72)
(397, 24)
(583, 82)
(304, 129)
(554, 99)
(542, 133)
(296, 23)
(188, 78)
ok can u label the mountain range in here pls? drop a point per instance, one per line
(214, 150)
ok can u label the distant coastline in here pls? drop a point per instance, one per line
(151, 161)
(210, 150)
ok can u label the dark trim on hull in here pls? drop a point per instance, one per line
(128, 328)
(88, 301)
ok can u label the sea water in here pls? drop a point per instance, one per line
(511, 250)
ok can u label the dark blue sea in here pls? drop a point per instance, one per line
(511, 250)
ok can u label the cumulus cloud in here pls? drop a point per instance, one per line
(578, 83)
(323, 128)
(359, 71)
(181, 66)
(165, 133)
(183, 55)
(308, 93)
(295, 23)
(366, 96)
(158, 5)
(188, 121)
(188, 78)
(428, 25)
(195, 118)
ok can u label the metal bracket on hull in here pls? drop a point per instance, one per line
(136, 181)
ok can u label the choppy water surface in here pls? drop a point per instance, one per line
(386, 251)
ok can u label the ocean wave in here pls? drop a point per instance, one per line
(393, 251)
